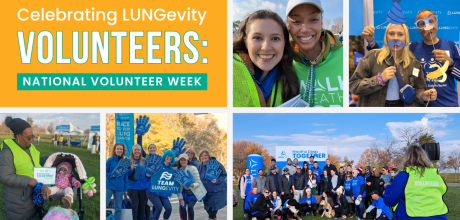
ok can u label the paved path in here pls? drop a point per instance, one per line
(453, 184)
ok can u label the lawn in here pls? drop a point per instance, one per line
(451, 199)
(92, 167)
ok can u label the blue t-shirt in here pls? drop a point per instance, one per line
(141, 184)
(248, 185)
(317, 170)
(356, 186)
(348, 186)
(310, 165)
(379, 204)
(386, 178)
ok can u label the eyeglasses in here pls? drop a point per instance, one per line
(190, 153)
(421, 23)
(28, 138)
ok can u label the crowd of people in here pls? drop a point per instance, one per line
(347, 191)
(211, 192)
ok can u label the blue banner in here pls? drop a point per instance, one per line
(96, 128)
(163, 182)
(358, 57)
(63, 127)
(448, 12)
(356, 17)
(124, 130)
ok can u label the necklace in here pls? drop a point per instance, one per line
(311, 82)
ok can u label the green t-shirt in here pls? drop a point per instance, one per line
(328, 79)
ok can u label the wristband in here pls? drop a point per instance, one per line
(380, 79)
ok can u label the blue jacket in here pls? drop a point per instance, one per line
(394, 194)
(251, 198)
(195, 162)
(216, 196)
(119, 183)
(141, 184)
(312, 200)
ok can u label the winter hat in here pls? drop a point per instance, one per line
(360, 170)
(66, 165)
(305, 163)
(368, 168)
(289, 159)
(16, 125)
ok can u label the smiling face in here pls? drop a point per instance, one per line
(183, 162)
(246, 171)
(396, 32)
(168, 158)
(119, 150)
(152, 149)
(265, 43)
(204, 157)
(136, 151)
(305, 25)
(426, 33)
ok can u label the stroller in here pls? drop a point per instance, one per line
(78, 172)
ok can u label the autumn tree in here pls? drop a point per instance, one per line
(242, 149)
(453, 160)
(30, 121)
(384, 153)
(335, 160)
(346, 161)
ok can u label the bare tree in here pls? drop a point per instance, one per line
(338, 22)
(454, 161)
(442, 164)
(51, 128)
(327, 23)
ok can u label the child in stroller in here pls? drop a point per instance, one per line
(63, 184)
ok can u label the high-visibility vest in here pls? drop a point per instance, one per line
(423, 194)
(244, 89)
(22, 162)
(61, 139)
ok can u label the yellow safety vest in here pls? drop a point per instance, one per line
(22, 162)
(61, 139)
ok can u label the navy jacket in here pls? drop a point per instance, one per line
(216, 196)
(119, 183)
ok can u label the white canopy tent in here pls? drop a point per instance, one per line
(68, 130)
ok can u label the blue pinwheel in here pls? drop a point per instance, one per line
(142, 125)
(212, 170)
(122, 167)
(139, 172)
(153, 164)
(184, 178)
(178, 146)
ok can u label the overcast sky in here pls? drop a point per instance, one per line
(81, 120)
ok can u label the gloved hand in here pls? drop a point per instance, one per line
(142, 125)
(212, 170)
(178, 146)
(184, 178)
(122, 167)
(153, 164)
(139, 172)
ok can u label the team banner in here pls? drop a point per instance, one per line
(163, 182)
(124, 130)
(302, 153)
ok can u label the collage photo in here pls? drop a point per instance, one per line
(141, 110)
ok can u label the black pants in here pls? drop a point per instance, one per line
(308, 208)
(279, 212)
(249, 213)
(191, 212)
(395, 103)
(262, 215)
(138, 201)
(351, 208)
(338, 211)
(367, 201)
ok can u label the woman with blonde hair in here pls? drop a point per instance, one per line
(216, 196)
(115, 186)
(191, 153)
(137, 187)
(380, 74)
(418, 175)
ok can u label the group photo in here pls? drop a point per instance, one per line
(166, 166)
(49, 166)
(288, 53)
(345, 171)
(404, 54)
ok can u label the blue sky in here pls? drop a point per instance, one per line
(81, 120)
(344, 134)
(242, 8)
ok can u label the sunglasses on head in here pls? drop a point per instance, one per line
(28, 138)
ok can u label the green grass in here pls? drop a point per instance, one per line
(450, 177)
(92, 167)
(451, 199)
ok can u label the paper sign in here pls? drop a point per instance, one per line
(163, 182)
(415, 72)
(45, 175)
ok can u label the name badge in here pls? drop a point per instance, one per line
(45, 175)
(448, 53)
(415, 72)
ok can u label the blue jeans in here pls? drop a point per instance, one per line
(118, 198)
(159, 203)
(360, 208)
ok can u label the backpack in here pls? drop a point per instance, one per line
(239, 181)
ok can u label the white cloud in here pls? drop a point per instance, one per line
(317, 132)
(244, 8)
(429, 121)
(331, 130)
(447, 146)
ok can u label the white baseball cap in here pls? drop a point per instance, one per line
(293, 3)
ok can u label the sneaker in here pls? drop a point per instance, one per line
(279, 217)
(245, 215)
